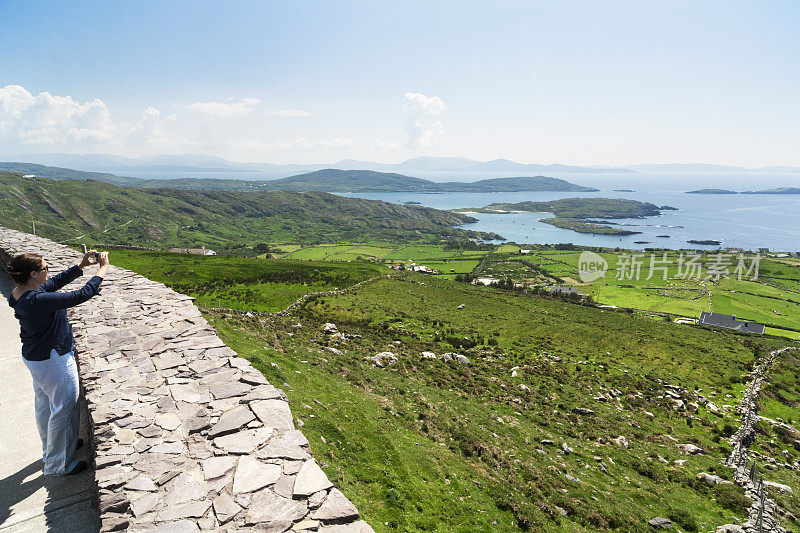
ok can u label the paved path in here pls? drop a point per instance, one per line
(29, 501)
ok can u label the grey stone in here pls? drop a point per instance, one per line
(181, 526)
(264, 392)
(245, 441)
(225, 508)
(125, 436)
(660, 522)
(229, 389)
(283, 487)
(189, 392)
(168, 360)
(274, 413)
(149, 431)
(252, 475)
(145, 504)
(310, 479)
(189, 510)
(182, 489)
(316, 499)
(231, 421)
(335, 507)
(214, 467)
(142, 483)
(168, 421)
(273, 512)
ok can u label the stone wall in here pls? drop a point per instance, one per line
(187, 436)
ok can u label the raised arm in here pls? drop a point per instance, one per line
(51, 301)
(61, 279)
(71, 274)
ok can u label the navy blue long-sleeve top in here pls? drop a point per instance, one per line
(42, 314)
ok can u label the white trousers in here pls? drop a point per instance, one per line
(55, 383)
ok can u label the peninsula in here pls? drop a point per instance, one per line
(577, 214)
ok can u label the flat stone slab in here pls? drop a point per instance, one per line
(252, 474)
(310, 479)
(273, 512)
(335, 507)
(274, 413)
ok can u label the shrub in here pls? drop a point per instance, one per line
(683, 519)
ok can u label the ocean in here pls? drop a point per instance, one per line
(746, 221)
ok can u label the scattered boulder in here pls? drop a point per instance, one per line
(622, 440)
(462, 306)
(566, 449)
(691, 449)
(730, 528)
(711, 479)
(449, 356)
(381, 360)
(329, 328)
(428, 355)
(660, 522)
(780, 486)
(582, 411)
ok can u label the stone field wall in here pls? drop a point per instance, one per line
(187, 436)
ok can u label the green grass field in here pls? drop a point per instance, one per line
(432, 446)
(243, 283)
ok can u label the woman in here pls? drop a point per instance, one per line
(48, 350)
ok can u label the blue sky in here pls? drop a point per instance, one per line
(570, 82)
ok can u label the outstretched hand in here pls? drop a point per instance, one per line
(88, 259)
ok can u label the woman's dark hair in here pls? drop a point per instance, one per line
(21, 266)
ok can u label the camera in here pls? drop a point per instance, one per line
(96, 257)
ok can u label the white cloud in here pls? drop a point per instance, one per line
(421, 128)
(289, 113)
(46, 119)
(47, 122)
(218, 110)
(153, 131)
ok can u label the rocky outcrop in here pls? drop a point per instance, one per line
(187, 436)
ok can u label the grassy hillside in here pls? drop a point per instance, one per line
(94, 211)
(526, 436)
(522, 437)
(58, 173)
(244, 283)
(327, 180)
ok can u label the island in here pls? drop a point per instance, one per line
(707, 242)
(580, 214)
(712, 191)
(624, 190)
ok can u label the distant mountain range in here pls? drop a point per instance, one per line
(327, 180)
(206, 164)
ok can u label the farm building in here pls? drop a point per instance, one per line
(563, 291)
(729, 322)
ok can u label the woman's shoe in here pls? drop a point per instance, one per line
(80, 467)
